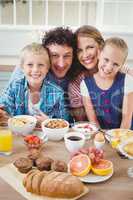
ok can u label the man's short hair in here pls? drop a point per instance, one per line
(60, 36)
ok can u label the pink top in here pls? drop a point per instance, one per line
(74, 92)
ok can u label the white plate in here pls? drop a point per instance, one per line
(124, 134)
(92, 178)
(121, 148)
(41, 135)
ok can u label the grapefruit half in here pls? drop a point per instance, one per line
(104, 167)
(80, 165)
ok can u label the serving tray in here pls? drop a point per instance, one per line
(14, 178)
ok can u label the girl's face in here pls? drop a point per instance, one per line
(111, 60)
(35, 68)
(87, 52)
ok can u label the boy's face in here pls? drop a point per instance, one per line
(61, 59)
(87, 52)
(111, 60)
(35, 68)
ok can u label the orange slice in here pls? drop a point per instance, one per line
(80, 165)
(104, 167)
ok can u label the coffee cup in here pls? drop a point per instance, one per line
(74, 141)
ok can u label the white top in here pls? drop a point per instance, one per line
(128, 86)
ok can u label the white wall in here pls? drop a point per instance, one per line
(11, 42)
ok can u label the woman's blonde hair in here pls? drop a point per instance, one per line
(36, 49)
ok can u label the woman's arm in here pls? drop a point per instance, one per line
(127, 70)
(127, 111)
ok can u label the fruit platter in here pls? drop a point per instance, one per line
(90, 166)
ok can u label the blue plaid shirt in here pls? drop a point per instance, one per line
(15, 99)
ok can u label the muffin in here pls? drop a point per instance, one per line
(34, 154)
(44, 163)
(23, 165)
(59, 166)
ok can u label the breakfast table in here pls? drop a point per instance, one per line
(119, 186)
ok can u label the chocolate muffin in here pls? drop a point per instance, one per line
(23, 165)
(44, 163)
(59, 166)
(34, 154)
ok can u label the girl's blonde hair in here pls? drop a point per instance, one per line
(90, 32)
(36, 49)
(118, 43)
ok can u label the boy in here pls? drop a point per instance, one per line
(35, 63)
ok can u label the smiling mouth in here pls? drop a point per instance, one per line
(60, 69)
(107, 73)
(88, 61)
(35, 76)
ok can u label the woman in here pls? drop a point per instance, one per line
(89, 44)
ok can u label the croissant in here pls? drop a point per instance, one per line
(53, 184)
(129, 148)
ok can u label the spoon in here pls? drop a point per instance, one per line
(105, 133)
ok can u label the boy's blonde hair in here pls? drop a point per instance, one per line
(119, 43)
(36, 49)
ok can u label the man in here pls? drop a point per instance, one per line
(61, 45)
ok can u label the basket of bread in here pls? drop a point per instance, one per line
(49, 178)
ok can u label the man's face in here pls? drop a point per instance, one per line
(61, 59)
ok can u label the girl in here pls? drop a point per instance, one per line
(107, 97)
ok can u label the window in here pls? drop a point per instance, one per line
(105, 14)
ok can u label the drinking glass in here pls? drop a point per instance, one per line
(130, 172)
(6, 141)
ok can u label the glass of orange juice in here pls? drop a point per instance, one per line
(6, 141)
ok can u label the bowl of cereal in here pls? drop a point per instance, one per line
(55, 129)
(22, 124)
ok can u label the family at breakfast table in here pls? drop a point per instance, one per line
(79, 81)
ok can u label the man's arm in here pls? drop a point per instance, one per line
(16, 74)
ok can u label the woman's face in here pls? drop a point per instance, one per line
(87, 51)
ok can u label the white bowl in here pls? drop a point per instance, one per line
(22, 124)
(55, 134)
(87, 128)
(74, 141)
